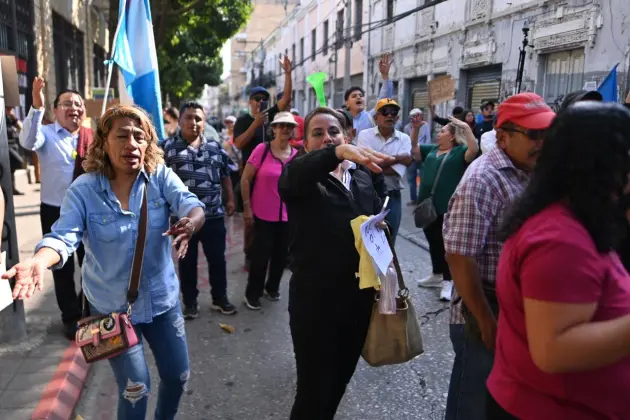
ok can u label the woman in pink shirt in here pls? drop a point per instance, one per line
(563, 340)
(265, 210)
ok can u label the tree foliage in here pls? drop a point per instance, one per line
(189, 35)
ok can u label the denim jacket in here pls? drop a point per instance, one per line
(91, 213)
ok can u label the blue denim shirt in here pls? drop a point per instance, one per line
(91, 213)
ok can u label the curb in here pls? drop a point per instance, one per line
(64, 389)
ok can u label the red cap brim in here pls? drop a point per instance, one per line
(538, 121)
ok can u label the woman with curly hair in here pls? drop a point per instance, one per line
(563, 341)
(102, 210)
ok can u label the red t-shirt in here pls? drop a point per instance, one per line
(553, 258)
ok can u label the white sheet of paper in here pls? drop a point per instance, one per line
(375, 242)
(6, 296)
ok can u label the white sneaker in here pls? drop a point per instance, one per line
(434, 280)
(447, 290)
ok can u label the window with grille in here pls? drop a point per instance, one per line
(313, 44)
(390, 10)
(69, 58)
(293, 55)
(301, 50)
(98, 64)
(339, 32)
(6, 26)
(358, 19)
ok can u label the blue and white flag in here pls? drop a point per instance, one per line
(609, 88)
(134, 52)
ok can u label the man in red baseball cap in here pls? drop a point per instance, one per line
(522, 121)
(489, 186)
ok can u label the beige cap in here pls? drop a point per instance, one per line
(284, 118)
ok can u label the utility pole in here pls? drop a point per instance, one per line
(346, 76)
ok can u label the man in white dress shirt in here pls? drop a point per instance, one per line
(60, 152)
(386, 139)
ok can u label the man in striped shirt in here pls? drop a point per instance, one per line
(489, 186)
(205, 169)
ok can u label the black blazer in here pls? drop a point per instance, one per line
(320, 209)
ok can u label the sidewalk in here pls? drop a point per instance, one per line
(42, 376)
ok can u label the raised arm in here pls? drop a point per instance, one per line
(387, 90)
(242, 134)
(31, 136)
(437, 119)
(288, 84)
(471, 142)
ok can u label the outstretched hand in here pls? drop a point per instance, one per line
(29, 276)
(182, 231)
(363, 156)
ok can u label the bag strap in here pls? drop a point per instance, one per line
(138, 254)
(439, 172)
(403, 292)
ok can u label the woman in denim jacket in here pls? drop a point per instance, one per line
(102, 209)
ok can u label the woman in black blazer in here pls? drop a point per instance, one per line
(324, 190)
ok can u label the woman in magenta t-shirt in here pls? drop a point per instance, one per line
(563, 340)
(265, 210)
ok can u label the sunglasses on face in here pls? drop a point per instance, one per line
(389, 113)
(283, 126)
(258, 98)
(534, 135)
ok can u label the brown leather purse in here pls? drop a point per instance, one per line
(393, 339)
(104, 336)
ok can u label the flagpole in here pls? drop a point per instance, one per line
(110, 67)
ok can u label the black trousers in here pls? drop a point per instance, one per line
(328, 334)
(212, 237)
(495, 412)
(65, 291)
(270, 247)
(433, 233)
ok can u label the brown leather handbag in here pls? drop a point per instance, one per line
(104, 336)
(393, 339)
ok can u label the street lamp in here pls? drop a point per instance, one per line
(521, 58)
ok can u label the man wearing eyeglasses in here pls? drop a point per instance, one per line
(471, 225)
(60, 148)
(384, 138)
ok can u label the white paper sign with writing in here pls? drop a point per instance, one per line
(6, 296)
(375, 242)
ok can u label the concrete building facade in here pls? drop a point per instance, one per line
(266, 15)
(573, 44)
(71, 44)
(310, 36)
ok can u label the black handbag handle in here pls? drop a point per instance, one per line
(403, 292)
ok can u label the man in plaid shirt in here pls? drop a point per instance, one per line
(488, 187)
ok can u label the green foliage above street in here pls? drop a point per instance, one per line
(189, 35)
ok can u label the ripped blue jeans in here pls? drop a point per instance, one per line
(166, 337)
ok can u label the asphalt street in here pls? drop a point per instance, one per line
(250, 374)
